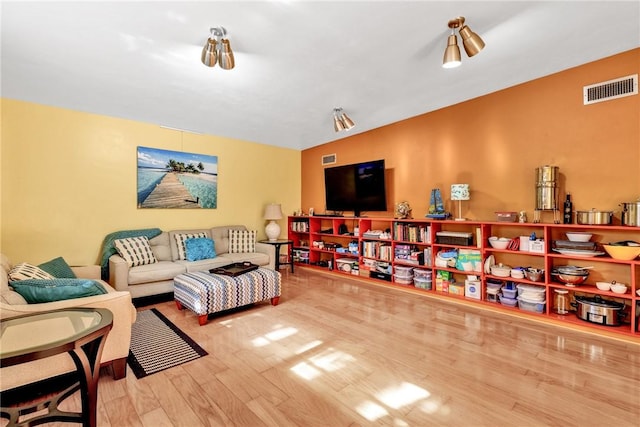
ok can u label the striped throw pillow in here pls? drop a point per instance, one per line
(24, 271)
(180, 239)
(242, 241)
(135, 251)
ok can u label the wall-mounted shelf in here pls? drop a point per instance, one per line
(329, 242)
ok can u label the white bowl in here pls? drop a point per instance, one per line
(499, 242)
(501, 270)
(517, 273)
(578, 236)
(603, 286)
(618, 288)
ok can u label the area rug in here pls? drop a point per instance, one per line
(157, 344)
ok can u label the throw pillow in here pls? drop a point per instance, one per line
(242, 241)
(199, 248)
(59, 268)
(135, 251)
(24, 271)
(36, 291)
(180, 239)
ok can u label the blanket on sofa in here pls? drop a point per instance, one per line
(109, 249)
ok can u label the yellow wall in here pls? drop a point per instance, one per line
(69, 178)
(496, 142)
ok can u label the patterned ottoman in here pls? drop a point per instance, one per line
(205, 293)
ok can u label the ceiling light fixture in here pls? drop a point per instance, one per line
(217, 49)
(471, 41)
(341, 121)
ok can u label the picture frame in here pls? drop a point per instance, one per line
(176, 180)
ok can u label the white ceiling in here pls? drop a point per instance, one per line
(295, 60)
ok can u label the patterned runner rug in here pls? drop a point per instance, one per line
(157, 344)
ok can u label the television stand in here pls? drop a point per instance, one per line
(328, 215)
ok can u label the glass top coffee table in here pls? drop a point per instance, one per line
(81, 333)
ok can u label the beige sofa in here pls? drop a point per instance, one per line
(157, 278)
(116, 348)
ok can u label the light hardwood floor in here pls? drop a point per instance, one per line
(337, 352)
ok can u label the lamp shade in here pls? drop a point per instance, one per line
(460, 192)
(209, 53)
(452, 53)
(348, 123)
(471, 41)
(226, 59)
(273, 211)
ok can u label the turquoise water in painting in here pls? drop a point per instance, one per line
(203, 186)
(147, 181)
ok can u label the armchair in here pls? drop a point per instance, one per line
(116, 348)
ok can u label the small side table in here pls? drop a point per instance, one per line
(81, 332)
(278, 243)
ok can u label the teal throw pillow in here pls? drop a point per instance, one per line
(59, 268)
(42, 290)
(199, 248)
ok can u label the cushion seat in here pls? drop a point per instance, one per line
(205, 264)
(161, 270)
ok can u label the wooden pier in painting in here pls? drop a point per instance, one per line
(170, 193)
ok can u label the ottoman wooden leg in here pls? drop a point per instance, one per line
(202, 319)
(178, 304)
(274, 300)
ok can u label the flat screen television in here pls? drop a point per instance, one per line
(359, 187)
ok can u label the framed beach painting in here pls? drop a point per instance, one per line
(174, 179)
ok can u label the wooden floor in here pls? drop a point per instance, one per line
(341, 353)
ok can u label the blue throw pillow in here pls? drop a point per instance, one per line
(199, 248)
(59, 268)
(42, 290)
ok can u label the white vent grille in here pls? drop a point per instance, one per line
(328, 159)
(612, 89)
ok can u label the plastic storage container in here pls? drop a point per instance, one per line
(422, 282)
(509, 290)
(531, 292)
(401, 271)
(529, 305)
(403, 280)
(424, 274)
(510, 302)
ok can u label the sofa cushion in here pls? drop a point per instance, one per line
(25, 271)
(161, 270)
(220, 236)
(59, 268)
(242, 241)
(177, 248)
(36, 291)
(199, 248)
(12, 298)
(135, 251)
(206, 264)
(160, 247)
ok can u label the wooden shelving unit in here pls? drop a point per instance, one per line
(324, 243)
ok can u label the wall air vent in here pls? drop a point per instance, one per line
(612, 89)
(328, 159)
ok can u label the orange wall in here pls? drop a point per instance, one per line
(496, 142)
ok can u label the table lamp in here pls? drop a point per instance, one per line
(460, 192)
(272, 213)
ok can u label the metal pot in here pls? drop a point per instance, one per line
(594, 217)
(631, 213)
(598, 310)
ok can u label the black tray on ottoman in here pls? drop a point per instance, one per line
(235, 269)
